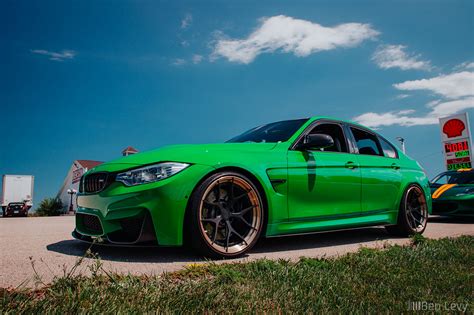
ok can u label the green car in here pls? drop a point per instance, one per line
(453, 193)
(284, 178)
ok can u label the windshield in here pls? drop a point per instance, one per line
(460, 178)
(274, 132)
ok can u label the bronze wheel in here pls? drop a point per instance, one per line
(413, 214)
(416, 209)
(229, 215)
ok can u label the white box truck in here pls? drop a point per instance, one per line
(17, 196)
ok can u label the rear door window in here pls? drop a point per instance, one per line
(367, 143)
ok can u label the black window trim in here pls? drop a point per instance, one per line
(356, 148)
(317, 122)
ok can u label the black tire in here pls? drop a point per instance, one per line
(411, 221)
(226, 216)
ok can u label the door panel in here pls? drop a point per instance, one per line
(323, 184)
(381, 176)
(381, 181)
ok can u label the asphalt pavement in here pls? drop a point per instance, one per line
(34, 250)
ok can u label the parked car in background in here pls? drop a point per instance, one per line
(17, 194)
(283, 178)
(453, 193)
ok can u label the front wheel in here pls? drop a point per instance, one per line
(413, 213)
(227, 216)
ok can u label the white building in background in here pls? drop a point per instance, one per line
(129, 151)
(71, 182)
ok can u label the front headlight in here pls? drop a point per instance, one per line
(150, 174)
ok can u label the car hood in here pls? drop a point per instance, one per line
(207, 154)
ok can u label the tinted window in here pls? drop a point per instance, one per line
(335, 131)
(388, 150)
(274, 132)
(367, 143)
(459, 178)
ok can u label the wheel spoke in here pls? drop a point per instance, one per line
(417, 210)
(243, 212)
(236, 233)
(215, 220)
(240, 196)
(246, 223)
(415, 220)
(215, 234)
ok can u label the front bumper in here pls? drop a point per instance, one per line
(150, 213)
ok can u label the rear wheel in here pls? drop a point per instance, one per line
(413, 213)
(226, 216)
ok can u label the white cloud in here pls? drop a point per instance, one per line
(197, 58)
(457, 89)
(178, 62)
(465, 66)
(402, 96)
(394, 56)
(186, 21)
(393, 118)
(443, 109)
(291, 35)
(55, 56)
(454, 85)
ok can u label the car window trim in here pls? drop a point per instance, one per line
(369, 132)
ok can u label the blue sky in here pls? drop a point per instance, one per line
(84, 79)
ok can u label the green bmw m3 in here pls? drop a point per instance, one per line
(283, 178)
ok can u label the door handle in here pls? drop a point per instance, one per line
(351, 165)
(395, 166)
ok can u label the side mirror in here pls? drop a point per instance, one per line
(316, 141)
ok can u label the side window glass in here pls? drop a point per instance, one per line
(335, 131)
(443, 180)
(367, 143)
(388, 150)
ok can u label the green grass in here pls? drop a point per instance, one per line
(439, 271)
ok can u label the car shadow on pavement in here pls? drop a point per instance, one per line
(180, 254)
(124, 254)
(322, 239)
(456, 220)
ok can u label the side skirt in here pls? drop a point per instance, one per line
(330, 223)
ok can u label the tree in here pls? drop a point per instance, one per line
(49, 207)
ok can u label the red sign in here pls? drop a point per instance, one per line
(453, 128)
(458, 161)
(457, 146)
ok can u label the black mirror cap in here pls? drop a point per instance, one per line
(316, 141)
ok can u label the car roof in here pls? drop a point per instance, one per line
(313, 118)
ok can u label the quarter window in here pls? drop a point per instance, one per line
(367, 143)
(388, 149)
